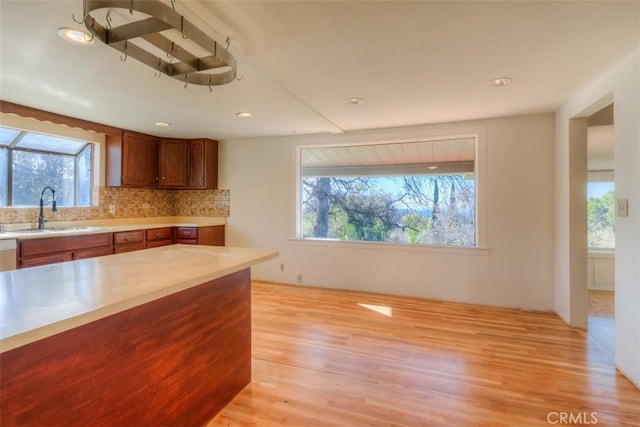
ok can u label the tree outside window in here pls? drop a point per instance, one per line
(601, 215)
(411, 193)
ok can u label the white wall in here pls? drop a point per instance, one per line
(622, 86)
(601, 271)
(516, 270)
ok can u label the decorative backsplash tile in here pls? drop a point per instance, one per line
(133, 203)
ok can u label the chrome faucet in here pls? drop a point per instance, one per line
(54, 208)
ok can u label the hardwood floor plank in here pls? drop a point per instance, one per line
(324, 357)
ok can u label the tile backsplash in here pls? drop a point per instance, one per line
(132, 203)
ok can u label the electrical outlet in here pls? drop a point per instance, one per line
(622, 208)
(281, 267)
(299, 278)
(112, 209)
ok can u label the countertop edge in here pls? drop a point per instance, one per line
(114, 226)
(32, 335)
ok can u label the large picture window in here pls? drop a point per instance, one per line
(30, 161)
(419, 192)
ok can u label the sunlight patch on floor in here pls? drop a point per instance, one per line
(382, 309)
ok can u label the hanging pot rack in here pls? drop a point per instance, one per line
(216, 67)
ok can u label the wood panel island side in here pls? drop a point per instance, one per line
(159, 337)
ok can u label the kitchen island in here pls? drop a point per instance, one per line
(154, 337)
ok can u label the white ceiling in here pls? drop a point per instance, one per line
(413, 63)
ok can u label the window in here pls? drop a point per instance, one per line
(601, 215)
(30, 161)
(419, 192)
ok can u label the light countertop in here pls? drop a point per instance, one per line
(41, 301)
(71, 228)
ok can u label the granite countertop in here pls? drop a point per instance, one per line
(71, 228)
(42, 301)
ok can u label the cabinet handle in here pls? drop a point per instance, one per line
(163, 177)
(186, 233)
(129, 238)
(159, 235)
(201, 178)
(156, 178)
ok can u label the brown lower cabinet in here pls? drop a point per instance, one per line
(212, 236)
(159, 237)
(51, 250)
(127, 241)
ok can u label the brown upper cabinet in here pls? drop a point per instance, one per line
(204, 164)
(138, 160)
(132, 160)
(174, 163)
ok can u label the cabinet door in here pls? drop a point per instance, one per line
(203, 172)
(50, 250)
(212, 235)
(45, 259)
(174, 162)
(139, 160)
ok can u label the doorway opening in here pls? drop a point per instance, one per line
(601, 230)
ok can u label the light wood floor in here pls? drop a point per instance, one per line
(601, 304)
(602, 325)
(337, 358)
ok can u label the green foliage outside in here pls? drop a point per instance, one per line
(437, 210)
(601, 221)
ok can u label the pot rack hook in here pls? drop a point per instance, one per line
(84, 14)
(158, 73)
(126, 55)
(109, 19)
(185, 81)
(175, 48)
(210, 88)
(184, 35)
(227, 41)
(73, 16)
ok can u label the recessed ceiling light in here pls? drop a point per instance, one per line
(244, 115)
(500, 81)
(354, 101)
(75, 36)
(163, 124)
(432, 167)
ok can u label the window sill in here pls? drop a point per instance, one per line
(601, 253)
(456, 250)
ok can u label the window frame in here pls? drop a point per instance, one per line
(437, 133)
(14, 146)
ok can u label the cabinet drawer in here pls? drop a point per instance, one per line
(156, 234)
(126, 237)
(187, 233)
